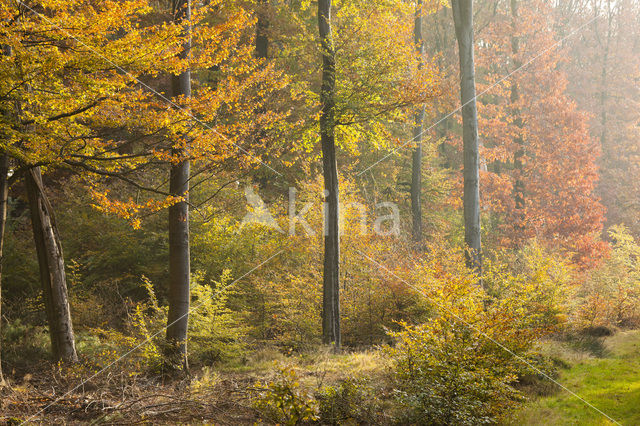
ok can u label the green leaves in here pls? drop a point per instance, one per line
(282, 400)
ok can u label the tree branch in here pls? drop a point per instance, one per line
(69, 113)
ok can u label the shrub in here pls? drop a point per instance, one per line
(352, 401)
(446, 373)
(532, 286)
(214, 331)
(282, 400)
(207, 380)
(460, 366)
(611, 293)
(22, 343)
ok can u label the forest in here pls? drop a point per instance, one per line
(331, 212)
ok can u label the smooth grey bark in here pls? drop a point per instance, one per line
(52, 274)
(179, 250)
(331, 277)
(262, 27)
(519, 185)
(4, 199)
(416, 169)
(463, 22)
(438, 47)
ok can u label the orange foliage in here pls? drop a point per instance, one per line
(559, 170)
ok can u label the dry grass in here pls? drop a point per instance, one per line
(142, 401)
(209, 395)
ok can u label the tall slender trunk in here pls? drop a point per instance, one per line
(52, 274)
(518, 164)
(416, 170)
(331, 279)
(604, 93)
(4, 199)
(179, 255)
(463, 22)
(442, 42)
(262, 26)
(4, 204)
(261, 51)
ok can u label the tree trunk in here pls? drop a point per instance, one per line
(416, 171)
(331, 279)
(463, 22)
(604, 95)
(262, 26)
(261, 51)
(519, 187)
(179, 256)
(4, 199)
(52, 274)
(4, 204)
(441, 44)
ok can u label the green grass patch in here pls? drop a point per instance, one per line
(611, 383)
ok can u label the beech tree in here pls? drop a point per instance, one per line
(76, 102)
(179, 254)
(4, 199)
(262, 27)
(514, 98)
(542, 163)
(604, 64)
(331, 275)
(50, 115)
(463, 21)
(365, 86)
(416, 170)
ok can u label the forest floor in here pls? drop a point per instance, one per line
(221, 396)
(605, 372)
